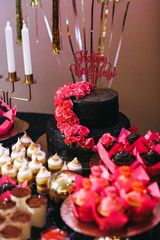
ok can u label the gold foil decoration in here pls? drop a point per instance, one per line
(100, 28)
(104, 28)
(19, 21)
(35, 3)
(55, 28)
(92, 10)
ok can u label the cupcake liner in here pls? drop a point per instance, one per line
(152, 171)
(10, 114)
(115, 220)
(140, 213)
(85, 212)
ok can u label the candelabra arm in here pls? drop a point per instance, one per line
(21, 99)
(3, 92)
(11, 91)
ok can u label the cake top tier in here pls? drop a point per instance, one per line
(99, 95)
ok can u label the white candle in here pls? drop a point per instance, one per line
(26, 50)
(9, 48)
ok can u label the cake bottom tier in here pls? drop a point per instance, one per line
(56, 144)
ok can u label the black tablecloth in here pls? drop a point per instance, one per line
(37, 127)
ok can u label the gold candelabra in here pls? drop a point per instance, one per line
(12, 78)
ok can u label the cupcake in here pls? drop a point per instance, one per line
(83, 200)
(42, 180)
(30, 150)
(16, 153)
(37, 206)
(150, 158)
(133, 136)
(35, 166)
(4, 158)
(125, 178)
(7, 206)
(75, 166)
(99, 183)
(110, 213)
(4, 150)
(123, 158)
(18, 144)
(111, 203)
(11, 232)
(9, 170)
(20, 195)
(140, 202)
(22, 219)
(26, 140)
(40, 155)
(55, 163)
(25, 173)
(19, 162)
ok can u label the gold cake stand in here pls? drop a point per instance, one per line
(18, 127)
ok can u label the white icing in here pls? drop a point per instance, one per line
(4, 150)
(43, 173)
(19, 162)
(73, 166)
(30, 150)
(34, 165)
(18, 144)
(17, 152)
(54, 162)
(5, 158)
(5, 169)
(24, 171)
(41, 155)
(25, 139)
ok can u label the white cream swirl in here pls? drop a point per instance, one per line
(43, 173)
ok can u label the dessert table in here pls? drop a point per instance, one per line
(36, 128)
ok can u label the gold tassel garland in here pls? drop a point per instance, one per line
(55, 28)
(19, 21)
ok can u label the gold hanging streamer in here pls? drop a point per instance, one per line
(35, 3)
(19, 21)
(92, 10)
(125, 15)
(104, 28)
(55, 28)
(100, 28)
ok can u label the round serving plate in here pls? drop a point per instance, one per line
(18, 127)
(91, 229)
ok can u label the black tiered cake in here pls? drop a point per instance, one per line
(99, 111)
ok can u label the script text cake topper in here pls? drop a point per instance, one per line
(95, 66)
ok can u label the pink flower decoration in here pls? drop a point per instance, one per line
(67, 121)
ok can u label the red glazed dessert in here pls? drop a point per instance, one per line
(82, 201)
(140, 202)
(111, 212)
(125, 178)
